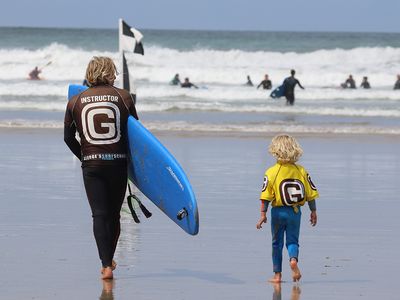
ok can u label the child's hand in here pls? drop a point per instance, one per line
(263, 219)
(313, 218)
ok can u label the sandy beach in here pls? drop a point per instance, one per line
(48, 251)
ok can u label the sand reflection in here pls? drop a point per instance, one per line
(129, 240)
(107, 292)
(277, 294)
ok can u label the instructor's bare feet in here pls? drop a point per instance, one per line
(296, 275)
(107, 273)
(113, 267)
(277, 278)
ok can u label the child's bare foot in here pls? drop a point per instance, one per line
(277, 278)
(107, 273)
(296, 275)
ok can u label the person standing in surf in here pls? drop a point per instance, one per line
(266, 83)
(289, 84)
(287, 186)
(34, 74)
(99, 114)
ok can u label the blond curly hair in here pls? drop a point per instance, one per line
(285, 149)
(100, 70)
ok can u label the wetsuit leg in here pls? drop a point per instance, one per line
(292, 233)
(278, 228)
(105, 188)
(289, 99)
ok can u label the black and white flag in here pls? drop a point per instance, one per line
(130, 39)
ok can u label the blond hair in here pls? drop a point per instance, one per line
(100, 70)
(285, 149)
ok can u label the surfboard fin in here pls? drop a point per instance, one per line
(181, 214)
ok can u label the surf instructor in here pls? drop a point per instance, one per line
(289, 84)
(99, 115)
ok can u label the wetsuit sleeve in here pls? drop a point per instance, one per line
(298, 82)
(312, 205)
(69, 133)
(264, 206)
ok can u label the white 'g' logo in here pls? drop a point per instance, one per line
(292, 191)
(112, 133)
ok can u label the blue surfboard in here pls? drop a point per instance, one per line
(278, 92)
(157, 174)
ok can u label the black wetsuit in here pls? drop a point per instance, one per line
(365, 85)
(266, 84)
(397, 85)
(100, 115)
(350, 83)
(188, 85)
(289, 84)
(175, 81)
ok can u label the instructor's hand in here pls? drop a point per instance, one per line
(263, 219)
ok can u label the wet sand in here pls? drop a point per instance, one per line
(48, 250)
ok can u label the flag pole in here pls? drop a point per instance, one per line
(121, 54)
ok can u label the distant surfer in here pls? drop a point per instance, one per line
(349, 83)
(365, 83)
(99, 115)
(249, 82)
(34, 74)
(175, 80)
(397, 83)
(288, 85)
(188, 84)
(266, 83)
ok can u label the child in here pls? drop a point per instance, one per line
(287, 186)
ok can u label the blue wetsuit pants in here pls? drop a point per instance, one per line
(284, 221)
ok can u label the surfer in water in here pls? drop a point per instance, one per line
(365, 83)
(266, 83)
(249, 82)
(397, 83)
(99, 115)
(349, 83)
(289, 84)
(175, 80)
(34, 74)
(287, 186)
(188, 84)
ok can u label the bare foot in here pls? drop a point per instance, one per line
(276, 279)
(296, 275)
(113, 267)
(107, 273)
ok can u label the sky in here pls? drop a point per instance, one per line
(259, 15)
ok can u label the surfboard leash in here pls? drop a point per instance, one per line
(144, 210)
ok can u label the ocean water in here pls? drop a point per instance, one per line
(218, 62)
